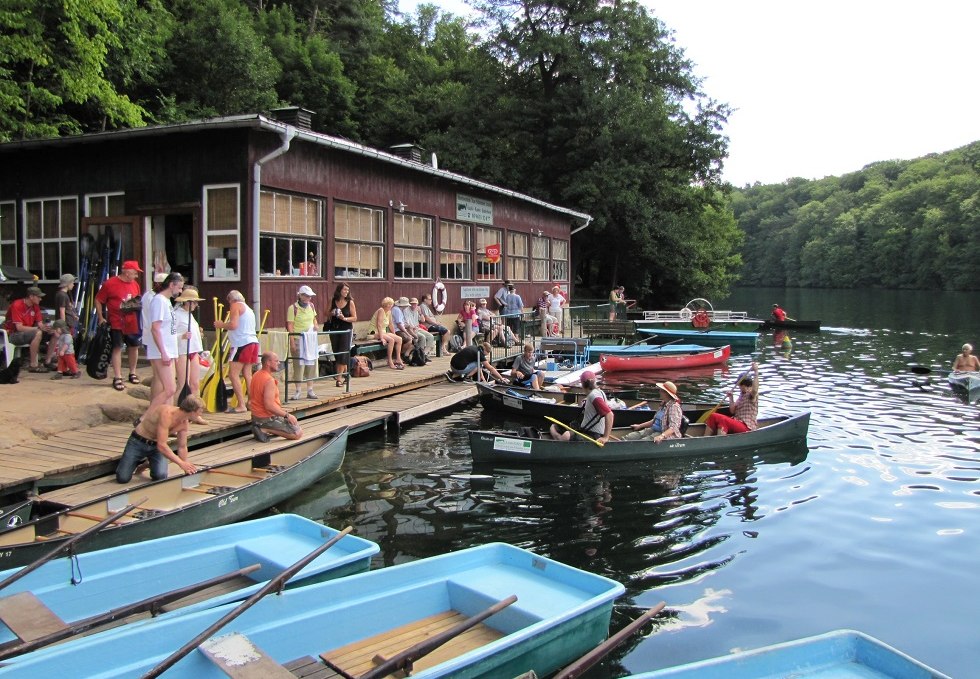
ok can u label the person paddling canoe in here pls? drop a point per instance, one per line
(965, 360)
(778, 314)
(743, 412)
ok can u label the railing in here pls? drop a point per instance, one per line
(293, 359)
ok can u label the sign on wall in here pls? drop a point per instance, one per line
(470, 209)
(474, 292)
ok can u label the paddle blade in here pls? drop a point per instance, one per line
(220, 396)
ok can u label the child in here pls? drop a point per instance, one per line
(67, 366)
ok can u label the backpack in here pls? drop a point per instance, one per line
(456, 343)
(360, 366)
(417, 357)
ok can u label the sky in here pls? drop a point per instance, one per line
(825, 88)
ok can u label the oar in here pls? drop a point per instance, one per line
(151, 604)
(582, 665)
(220, 395)
(574, 431)
(920, 369)
(69, 543)
(637, 405)
(405, 659)
(704, 418)
(274, 584)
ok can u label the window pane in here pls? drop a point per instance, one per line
(33, 219)
(8, 225)
(222, 214)
(51, 216)
(97, 206)
(117, 205)
(69, 219)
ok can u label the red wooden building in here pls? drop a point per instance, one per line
(263, 206)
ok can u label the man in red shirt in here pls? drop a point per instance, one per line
(778, 314)
(25, 325)
(125, 326)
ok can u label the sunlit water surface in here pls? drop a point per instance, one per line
(874, 528)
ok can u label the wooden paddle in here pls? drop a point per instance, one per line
(405, 659)
(186, 389)
(574, 431)
(273, 585)
(654, 346)
(704, 418)
(582, 665)
(70, 543)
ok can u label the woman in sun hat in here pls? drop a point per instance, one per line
(666, 423)
(189, 343)
(301, 318)
(743, 412)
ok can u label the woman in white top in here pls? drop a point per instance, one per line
(189, 345)
(244, 345)
(162, 349)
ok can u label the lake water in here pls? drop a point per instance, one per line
(876, 527)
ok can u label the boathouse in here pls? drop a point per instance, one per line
(264, 204)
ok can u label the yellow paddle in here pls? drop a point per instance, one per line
(704, 418)
(574, 431)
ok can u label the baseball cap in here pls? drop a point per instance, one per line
(131, 264)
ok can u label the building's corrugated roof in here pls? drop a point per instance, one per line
(261, 122)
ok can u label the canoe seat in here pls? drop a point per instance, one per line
(28, 617)
(356, 658)
(220, 490)
(239, 658)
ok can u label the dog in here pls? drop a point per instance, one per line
(10, 374)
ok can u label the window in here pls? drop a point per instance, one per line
(290, 235)
(8, 233)
(222, 231)
(487, 271)
(105, 205)
(413, 246)
(517, 261)
(559, 261)
(359, 241)
(540, 264)
(51, 239)
(455, 251)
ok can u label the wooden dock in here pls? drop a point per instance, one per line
(387, 398)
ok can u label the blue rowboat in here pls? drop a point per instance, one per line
(711, 338)
(108, 579)
(596, 350)
(836, 655)
(214, 496)
(560, 613)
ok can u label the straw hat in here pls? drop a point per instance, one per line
(402, 301)
(189, 294)
(670, 388)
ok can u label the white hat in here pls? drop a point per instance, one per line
(306, 290)
(402, 301)
(159, 277)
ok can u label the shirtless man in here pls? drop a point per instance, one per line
(965, 360)
(149, 440)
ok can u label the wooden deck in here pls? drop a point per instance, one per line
(386, 398)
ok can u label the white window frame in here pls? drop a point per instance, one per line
(487, 271)
(559, 261)
(403, 249)
(89, 197)
(540, 258)
(355, 248)
(44, 240)
(453, 259)
(207, 233)
(312, 240)
(517, 260)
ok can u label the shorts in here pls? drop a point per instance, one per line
(118, 339)
(23, 337)
(470, 367)
(248, 354)
(275, 423)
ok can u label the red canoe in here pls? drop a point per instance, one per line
(612, 363)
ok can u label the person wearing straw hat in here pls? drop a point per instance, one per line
(743, 412)
(597, 416)
(666, 423)
(301, 318)
(190, 345)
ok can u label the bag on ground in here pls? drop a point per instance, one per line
(360, 366)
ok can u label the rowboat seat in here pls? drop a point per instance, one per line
(28, 617)
(239, 658)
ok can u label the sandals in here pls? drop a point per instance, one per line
(399, 366)
(117, 384)
(37, 369)
(134, 378)
(339, 382)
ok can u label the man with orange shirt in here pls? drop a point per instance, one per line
(268, 415)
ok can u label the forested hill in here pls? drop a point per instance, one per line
(893, 224)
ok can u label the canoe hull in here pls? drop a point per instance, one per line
(119, 576)
(489, 446)
(618, 363)
(302, 463)
(963, 380)
(790, 325)
(843, 653)
(710, 338)
(560, 613)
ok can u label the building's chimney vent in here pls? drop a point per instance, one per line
(295, 116)
(408, 152)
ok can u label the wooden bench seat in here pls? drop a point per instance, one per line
(601, 328)
(28, 617)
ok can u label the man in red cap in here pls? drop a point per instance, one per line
(125, 326)
(597, 416)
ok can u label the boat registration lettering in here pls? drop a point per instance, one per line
(512, 402)
(512, 445)
(227, 500)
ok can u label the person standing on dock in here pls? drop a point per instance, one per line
(244, 345)
(268, 415)
(164, 348)
(597, 416)
(513, 308)
(556, 305)
(965, 360)
(148, 441)
(617, 302)
(125, 327)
